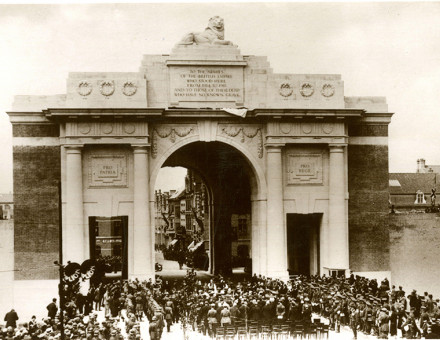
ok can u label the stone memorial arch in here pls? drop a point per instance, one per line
(315, 161)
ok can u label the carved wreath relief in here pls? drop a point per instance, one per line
(286, 90)
(328, 90)
(129, 88)
(107, 88)
(84, 88)
(307, 90)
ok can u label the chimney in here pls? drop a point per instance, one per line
(420, 165)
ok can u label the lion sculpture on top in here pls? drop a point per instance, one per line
(214, 34)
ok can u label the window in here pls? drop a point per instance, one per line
(337, 273)
(242, 227)
(188, 222)
(420, 198)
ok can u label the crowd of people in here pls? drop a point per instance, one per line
(356, 302)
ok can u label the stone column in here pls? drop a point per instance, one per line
(255, 239)
(74, 230)
(337, 216)
(142, 246)
(276, 265)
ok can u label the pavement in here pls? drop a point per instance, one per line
(171, 270)
(177, 332)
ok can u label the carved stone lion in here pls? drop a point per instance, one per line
(214, 34)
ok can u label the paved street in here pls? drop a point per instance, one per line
(171, 269)
(177, 331)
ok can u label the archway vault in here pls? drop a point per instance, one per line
(231, 180)
(247, 139)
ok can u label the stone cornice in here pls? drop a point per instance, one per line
(377, 118)
(76, 113)
(28, 118)
(309, 113)
(81, 114)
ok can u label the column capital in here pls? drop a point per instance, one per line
(73, 148)
(274, 147)
(337, 147)
(140, 148)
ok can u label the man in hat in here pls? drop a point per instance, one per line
(153, 329)
(212, 320)
(424, 317)
(383, 323)
(52, 309)
(414, 303)
(11, 319)
(168, 316)
(354, 319)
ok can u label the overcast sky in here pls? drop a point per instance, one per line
(380, 49)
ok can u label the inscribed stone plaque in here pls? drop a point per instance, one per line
(108, 171)
(206, 83)
(304, 169)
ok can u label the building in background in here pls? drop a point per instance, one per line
(182, 216)
(423, 168)
(163, 229)
(413, 191)
(6, 206)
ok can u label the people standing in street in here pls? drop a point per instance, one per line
(52, 309)
(11, 319)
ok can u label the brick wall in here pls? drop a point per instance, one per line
(367, 130)
(415, 252)
(35, 130)
(37, 171)
(368, 207)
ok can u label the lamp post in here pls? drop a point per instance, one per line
(59, 263)
(61, 295)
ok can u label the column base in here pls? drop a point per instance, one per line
(335, 271)
(142, 277)
(282, 275)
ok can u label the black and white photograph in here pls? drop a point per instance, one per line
(227, 171)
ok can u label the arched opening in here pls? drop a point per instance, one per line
(228, 182)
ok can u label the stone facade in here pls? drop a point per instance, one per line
(414, 240)
(302, 148)
(192, 213)
(36, 224)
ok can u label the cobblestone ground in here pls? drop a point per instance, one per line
(171, 270)
(176, 332)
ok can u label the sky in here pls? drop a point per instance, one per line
(380, 49)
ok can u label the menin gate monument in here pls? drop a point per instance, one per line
(307, 163)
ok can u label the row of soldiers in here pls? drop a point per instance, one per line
(356, 302)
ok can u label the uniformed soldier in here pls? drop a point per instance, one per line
(354, 318)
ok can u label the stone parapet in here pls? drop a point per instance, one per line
(369, 104)
(110, 89)
(26, 103)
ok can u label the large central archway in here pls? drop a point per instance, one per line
(231, 183)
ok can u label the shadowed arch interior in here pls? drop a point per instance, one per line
(229, 178)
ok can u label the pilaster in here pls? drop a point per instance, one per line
(142, 239)
(74, 229)
(337, 218)
(276, 250)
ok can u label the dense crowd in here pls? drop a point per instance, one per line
(361, 304)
